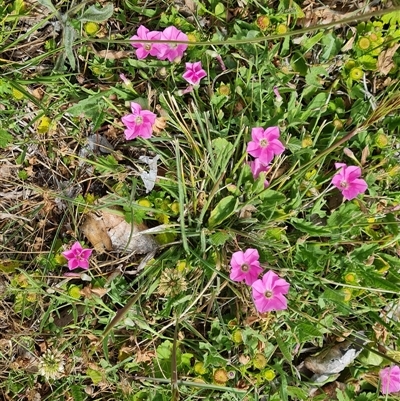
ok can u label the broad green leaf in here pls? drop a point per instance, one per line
(368, 62)
(164, 350)
(219, 238)
(376, 281)
(95, 14)
(283, 348)
(307, 332)
(309, 43)
(219, 10)
(362, 253)
(95, 375)
(224, 209)
(69, 37)
(90, 107)
(391, 18)
(271, 198)
(309, 228)
(48, 4)
(5, 138)
(297, 393)
(77, 393)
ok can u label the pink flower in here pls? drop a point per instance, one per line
(277, 94)
(194, 73)
(139, 123)
(125, 80)
(256, 168)
(144, 49)
(268, 293)
(171, 51)
(390, 379)
(265, 144)
(347, 181)
(245, 266)
(77, 256)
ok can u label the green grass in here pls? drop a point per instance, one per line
(170, 324)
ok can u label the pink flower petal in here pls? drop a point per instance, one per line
(272, 133)
(339, 165)
(352, 172)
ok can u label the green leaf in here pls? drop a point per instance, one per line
(219, 238)
(368, 62)
(90, 107)
(76, 392)
(48, 4)
(312, 77)
(271, 198)
(224, 209)
(69, 37)
(309, 43)
(106, 164)
(283, 348)
(164, 350)
(391, 18)
(298, 63)
(219, 10)
(309, 228)
(5, 138)
(362, 253)
(297, 393)
(95, 14)
(95, 375)
(211, 356)
(307, 332)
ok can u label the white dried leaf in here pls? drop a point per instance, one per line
(149, 178)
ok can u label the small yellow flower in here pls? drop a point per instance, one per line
(237, 337)
(44, 125)
(269, 374)
(144, 202)
(221, 377)
(381, 140)
(351, 278)
(356, 73)
(307, 141)
(224, 90)
(338, 124)
(281, 29)
(347, 293)
(199, 368)
(18, 95)
(259, 361)
(91, 28)
(192, 37)
(174, 208)
(350, 65)
(364, 43)
(181, 265)
(263, 22)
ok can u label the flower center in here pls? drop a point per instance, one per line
(268, 294)
(147, 46)
(263, 143)
(245, 267)
(344, 184)
(139, 120)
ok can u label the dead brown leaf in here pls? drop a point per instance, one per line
(88, 291)
(385, 59)
(114, 55)
(108, 231)
(159, 125)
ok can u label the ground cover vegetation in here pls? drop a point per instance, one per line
(199, 200)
